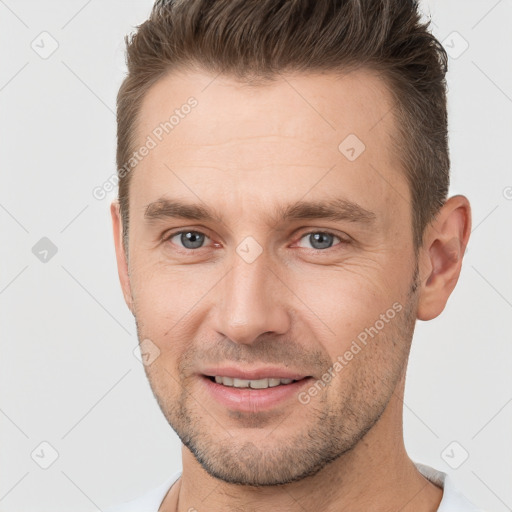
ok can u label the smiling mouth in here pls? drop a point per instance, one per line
(252, 383)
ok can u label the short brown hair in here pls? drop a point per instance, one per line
(255, 40)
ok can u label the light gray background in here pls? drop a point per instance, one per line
(68, 375)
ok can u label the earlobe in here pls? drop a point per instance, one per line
(441, 256)
(121, 257)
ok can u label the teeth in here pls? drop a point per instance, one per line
(254, 384)
(241, 383)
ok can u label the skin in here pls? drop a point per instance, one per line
(246, 151)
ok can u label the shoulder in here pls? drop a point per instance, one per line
(453, 500)
(149, 501)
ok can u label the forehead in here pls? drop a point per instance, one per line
(321, 108)
(237, 139)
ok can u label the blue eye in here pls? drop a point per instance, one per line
(190, 239)
(320, 240)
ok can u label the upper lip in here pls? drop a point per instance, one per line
(253, 373)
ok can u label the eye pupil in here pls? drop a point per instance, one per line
(321, 240)
(192, 239)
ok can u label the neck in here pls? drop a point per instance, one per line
(375, 475)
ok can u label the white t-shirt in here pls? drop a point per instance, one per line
(452, 500)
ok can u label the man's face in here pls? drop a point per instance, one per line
(269, 290)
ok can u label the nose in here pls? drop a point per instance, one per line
(251, 302)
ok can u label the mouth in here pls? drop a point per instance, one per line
(252, 391)
(270, 382)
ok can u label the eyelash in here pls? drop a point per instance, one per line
(168, 238)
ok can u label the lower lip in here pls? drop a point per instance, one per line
(253, 400)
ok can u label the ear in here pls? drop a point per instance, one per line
(440, 259)
(121, 257)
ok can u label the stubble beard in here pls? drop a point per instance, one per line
(331, 425)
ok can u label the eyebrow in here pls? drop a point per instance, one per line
(331, 209)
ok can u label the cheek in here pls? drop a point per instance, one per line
(343, 302)
(170, 306)
(355, 312)
(166, 292)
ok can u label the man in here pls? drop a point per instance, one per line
(282, 222)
